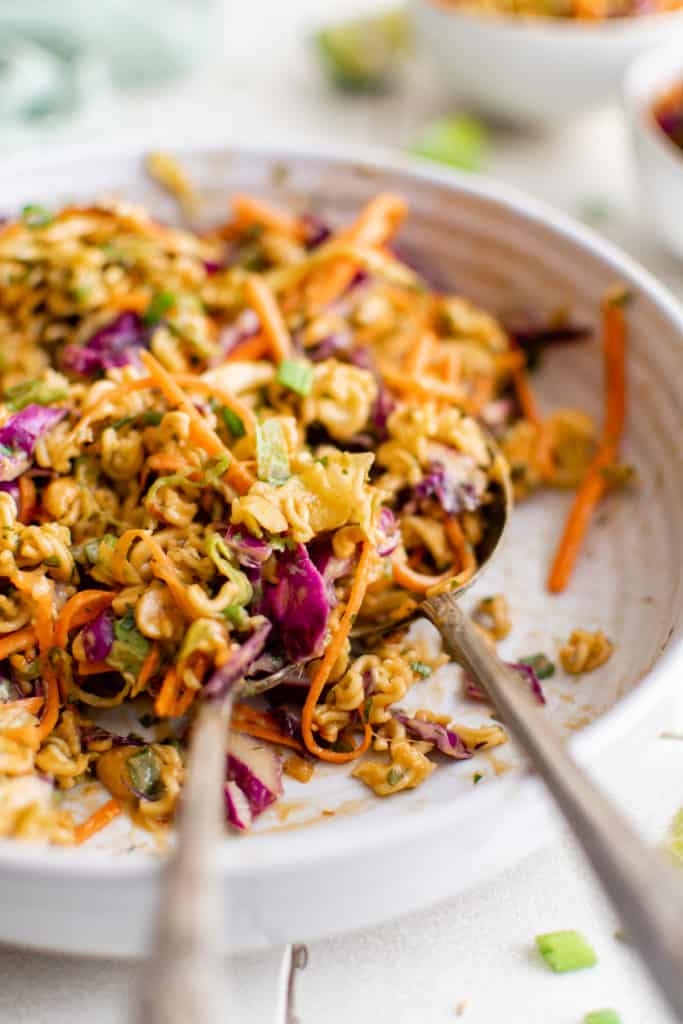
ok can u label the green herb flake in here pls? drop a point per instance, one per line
(602, 1017)
(541, 665)
(420, 669)
(233, 422)
(35, 216)
(566, 951)
(144, 773)
(152, 418)
(367, 709)
(272, 460)
(123, 422)
(395, 776)
(342, 746)
(130, 648)
(477, 777)
(460, 141)
(296, 375)
(160, 305)
(33, 392)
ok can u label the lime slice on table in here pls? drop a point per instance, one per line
(362, 55)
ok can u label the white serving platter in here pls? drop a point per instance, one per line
(332, 857)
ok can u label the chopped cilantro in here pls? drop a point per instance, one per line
(477, 777)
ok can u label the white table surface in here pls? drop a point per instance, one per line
(478, 949)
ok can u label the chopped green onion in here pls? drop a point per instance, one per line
(602, 1017)
(123, 422)
(566, 951)
(37, 392)
(362, 55)
(35, 216)
(272, 461)
(295, 375)
(152, 418)
(459, 141)
(233, 422)
(541, 664)
(158, 308)
(395, 776)
(367, 709)
(130, 648)
(145, 774)
(420, 669)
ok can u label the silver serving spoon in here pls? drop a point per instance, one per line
(183, 983)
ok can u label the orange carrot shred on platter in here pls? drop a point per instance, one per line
(594, 483)
(102, 817)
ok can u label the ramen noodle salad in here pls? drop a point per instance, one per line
(218, 452)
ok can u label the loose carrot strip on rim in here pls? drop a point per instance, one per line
(593, 486)
(80, 609)
(102, 817)
(334, 649)
(200, 432)
(259, 295)
(249, 210)
(27, 498)
(17, 641)
(249, 349)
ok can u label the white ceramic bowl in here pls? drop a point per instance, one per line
(371, 859)
(659, 161)
(533, 69)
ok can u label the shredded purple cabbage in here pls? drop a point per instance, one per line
(525, 671)
(454, 495)
(317, 230)
(117, 344)
(447, 741)
(98, 636)
(97, 734)
(298, 604)
(237, 665)
(288, 721)
(237, 809)
(251, 552)
(19, 435)
(391, 531)
(259, 796)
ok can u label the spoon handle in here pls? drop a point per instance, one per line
(642, 887)
(183, 981)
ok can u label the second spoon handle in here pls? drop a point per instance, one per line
(642, 887)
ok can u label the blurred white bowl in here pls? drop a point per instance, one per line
(536, 69)
(659, 160)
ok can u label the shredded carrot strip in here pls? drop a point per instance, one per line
(334, 649)
(162, 566)
(423, 386)
(249, 210)
(112, 395)
(97, 821)
(418, 355)
(149, 667)
(377, 223)
(525, 395)
(17, 641)
(30, 704)
(135, 302)
(259, 295)
(250, 349)
(27, 498)
(481, 393)
(166, 697)
(419, 582)
(80, 609)
(259, 732)
(593, 486)
(200, 433)
(224, 396)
